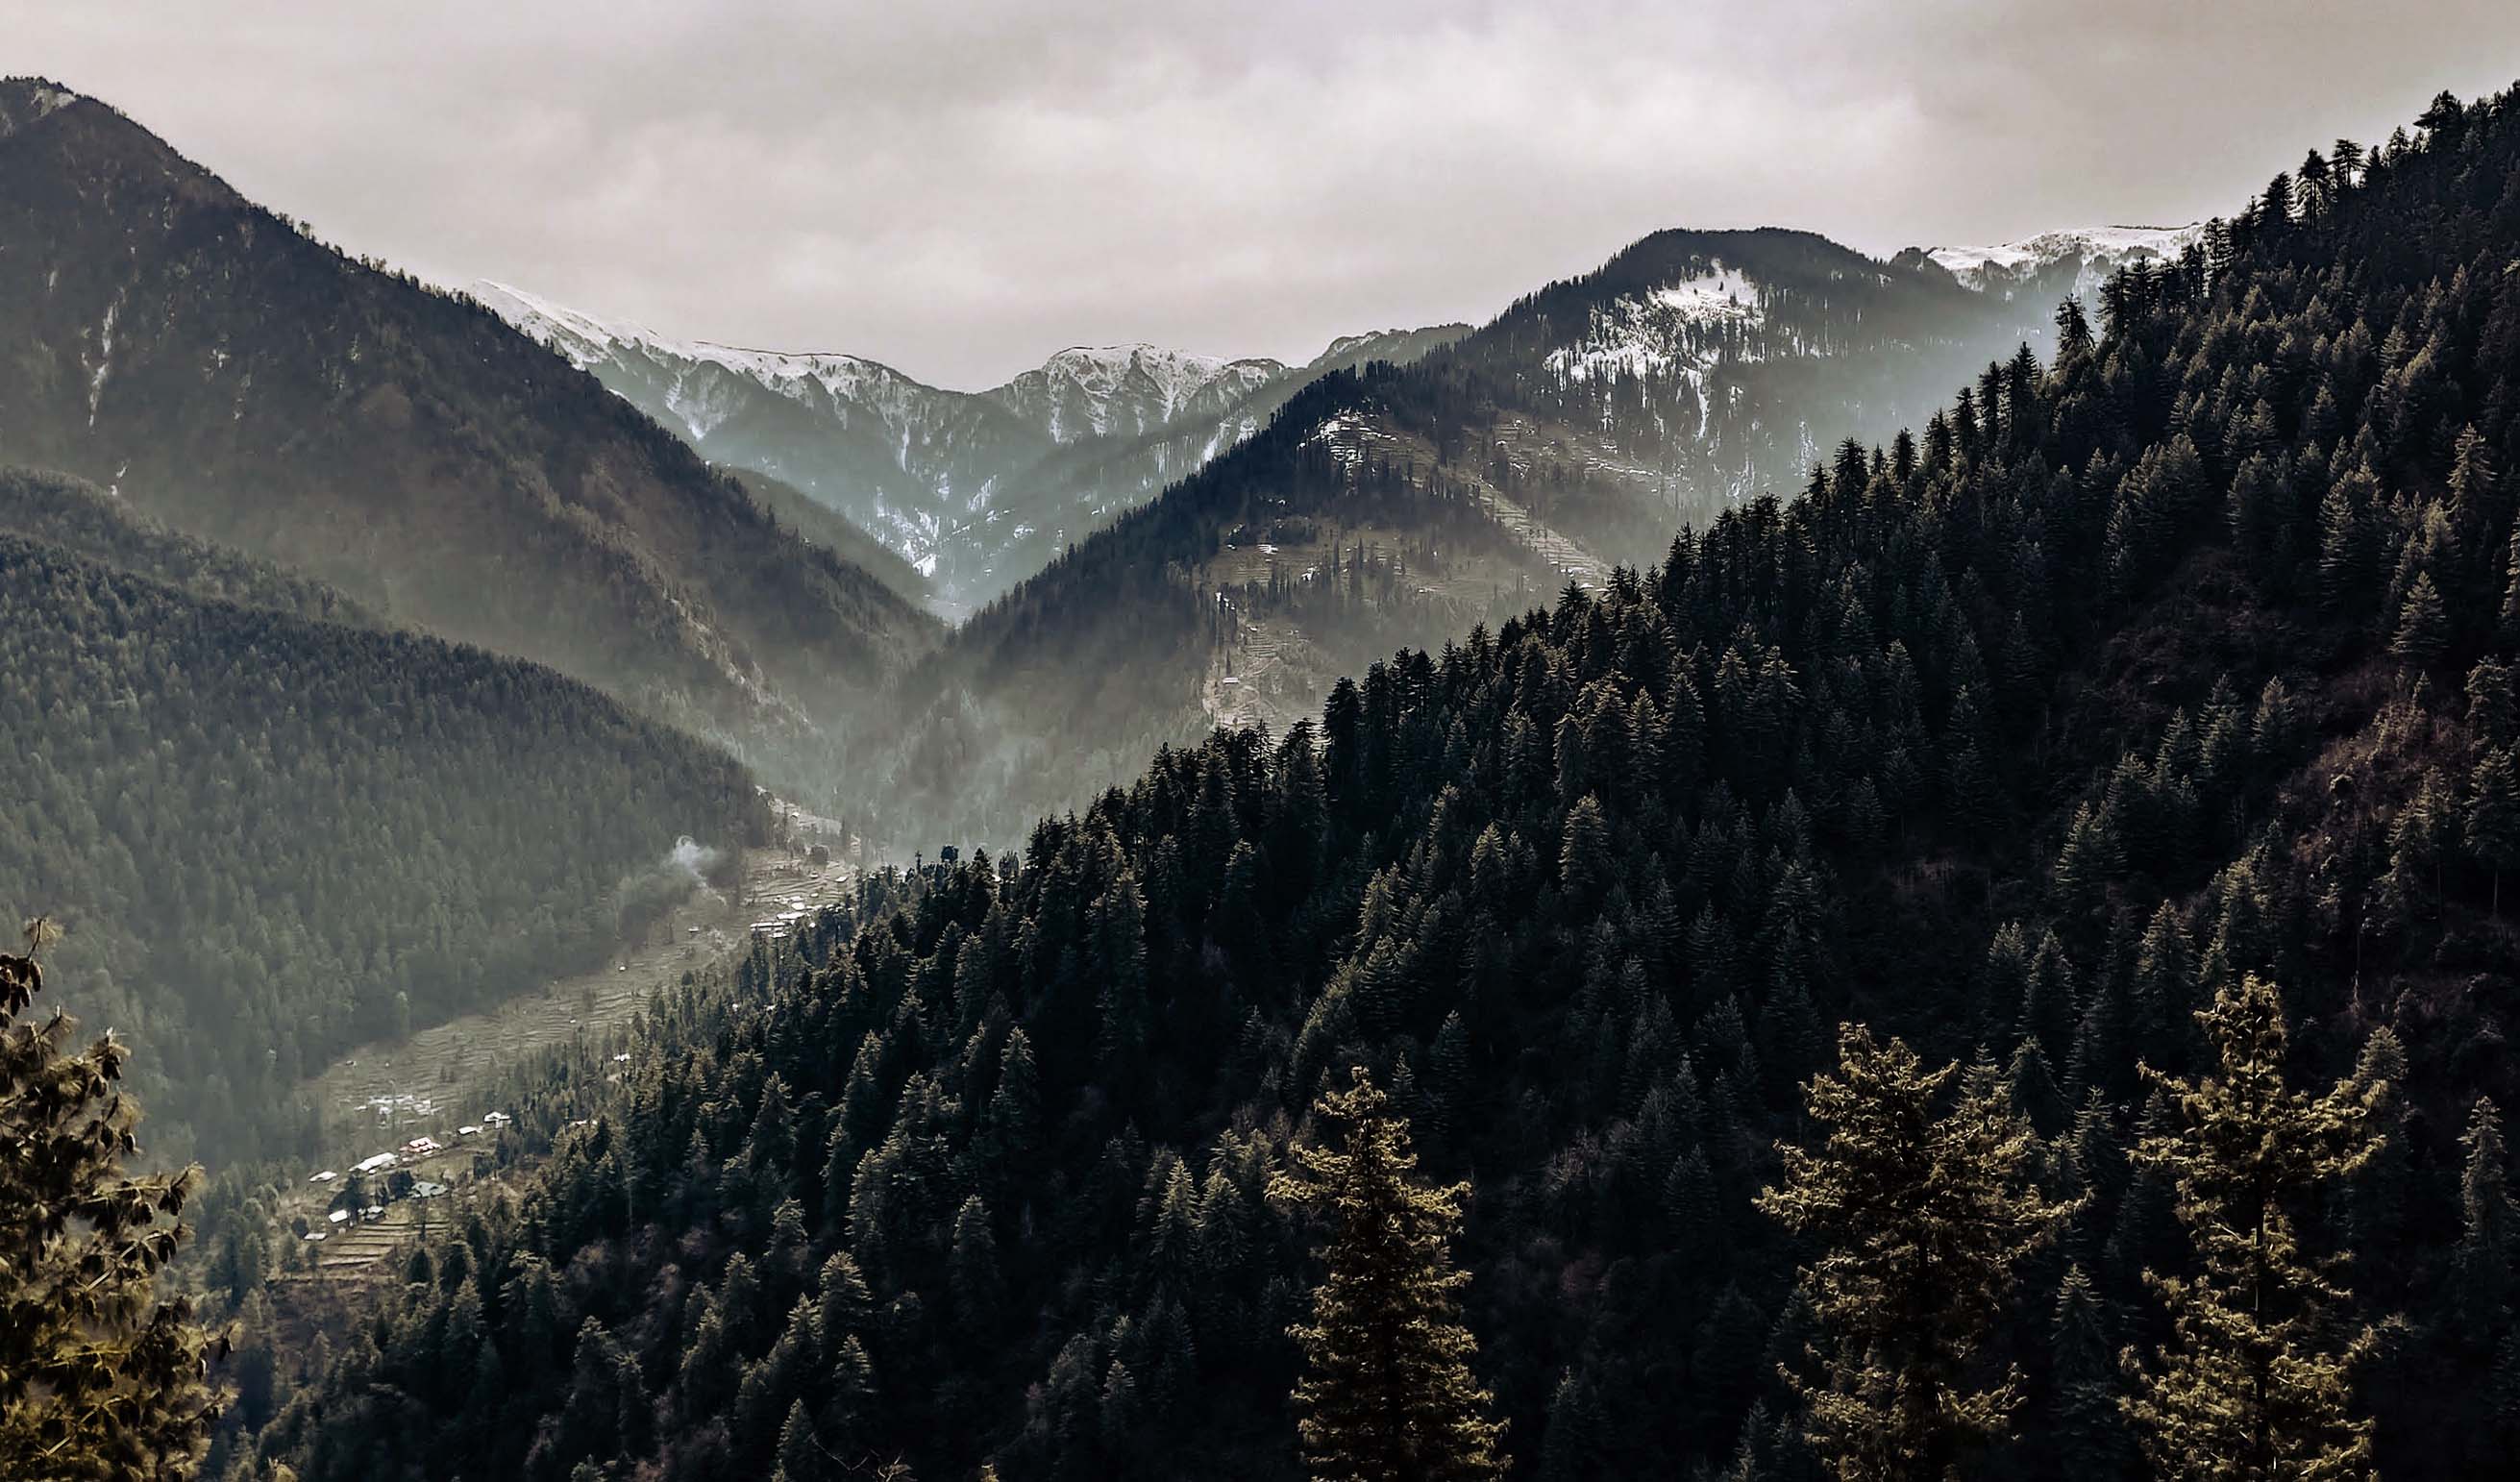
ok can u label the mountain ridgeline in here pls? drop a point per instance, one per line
(2175, 666)
(209, 363)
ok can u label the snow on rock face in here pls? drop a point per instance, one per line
(1130, 388)
(41, 100)
(1681, 327)
(2096, 252)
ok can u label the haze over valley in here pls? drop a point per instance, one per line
(1855, 833)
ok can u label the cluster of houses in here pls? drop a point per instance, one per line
(398, 1185)
(785, 922)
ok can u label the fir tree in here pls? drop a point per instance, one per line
(2092, 1440)
(1920, 1214)
(2423, 625)
(2250, 1385)
(1388, 1392)
(2493, 816)
(99, 1377)
(2490, 1227)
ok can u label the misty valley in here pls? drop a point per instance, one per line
(1771, 863)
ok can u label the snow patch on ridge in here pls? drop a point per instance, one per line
(1681, 327)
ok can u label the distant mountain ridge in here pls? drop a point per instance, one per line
(976, 490)
(1122, 390)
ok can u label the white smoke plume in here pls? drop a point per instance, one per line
(693, 859)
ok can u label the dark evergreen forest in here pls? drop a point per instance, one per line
(2142, 679)
(269, 837)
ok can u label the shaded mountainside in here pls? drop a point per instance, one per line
(206, 361)
(272, 838)
(975, 489)
(77, 517)
(1390, 506)
(2186, 655)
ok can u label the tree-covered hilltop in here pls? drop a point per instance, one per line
(2044, 745)
(270, 838)
(77, 517)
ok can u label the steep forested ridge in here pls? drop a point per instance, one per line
(242, 382)
(270, 838)
(2181, 663)
(76, 516)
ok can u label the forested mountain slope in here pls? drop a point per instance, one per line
(2183, 658)
(76, 516)
(271, 838)
(213, 366)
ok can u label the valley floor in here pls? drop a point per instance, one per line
(381, 1096)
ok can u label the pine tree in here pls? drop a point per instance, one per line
(2490, 1227)
(2091, 1435)
(800, 1456)
(2250, 1385)
(2493, 816)
(99, 1377)
(971, 1268)
(2345, 552)
(1387, 1391)
(2493, 707)
(2423, 625)
(1920, 1215)
(2508, 618)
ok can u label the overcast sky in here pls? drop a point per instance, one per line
(958, 189)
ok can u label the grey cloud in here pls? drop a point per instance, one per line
(959, 189)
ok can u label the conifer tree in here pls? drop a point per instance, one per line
(1388, 1392)
(1919, 1214)
(2509, 615)
(971, 1269)
(2423, 624)
(2490, 1227)
(99, 1377)
(2250, 1385)
(2493, 816)
(2091, 1432)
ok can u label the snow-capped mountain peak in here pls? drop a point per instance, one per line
(2096, 252)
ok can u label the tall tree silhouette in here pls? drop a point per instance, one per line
(1387, 1394)
(99, 1377)
(2251, 1385)
(1919, 1213)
